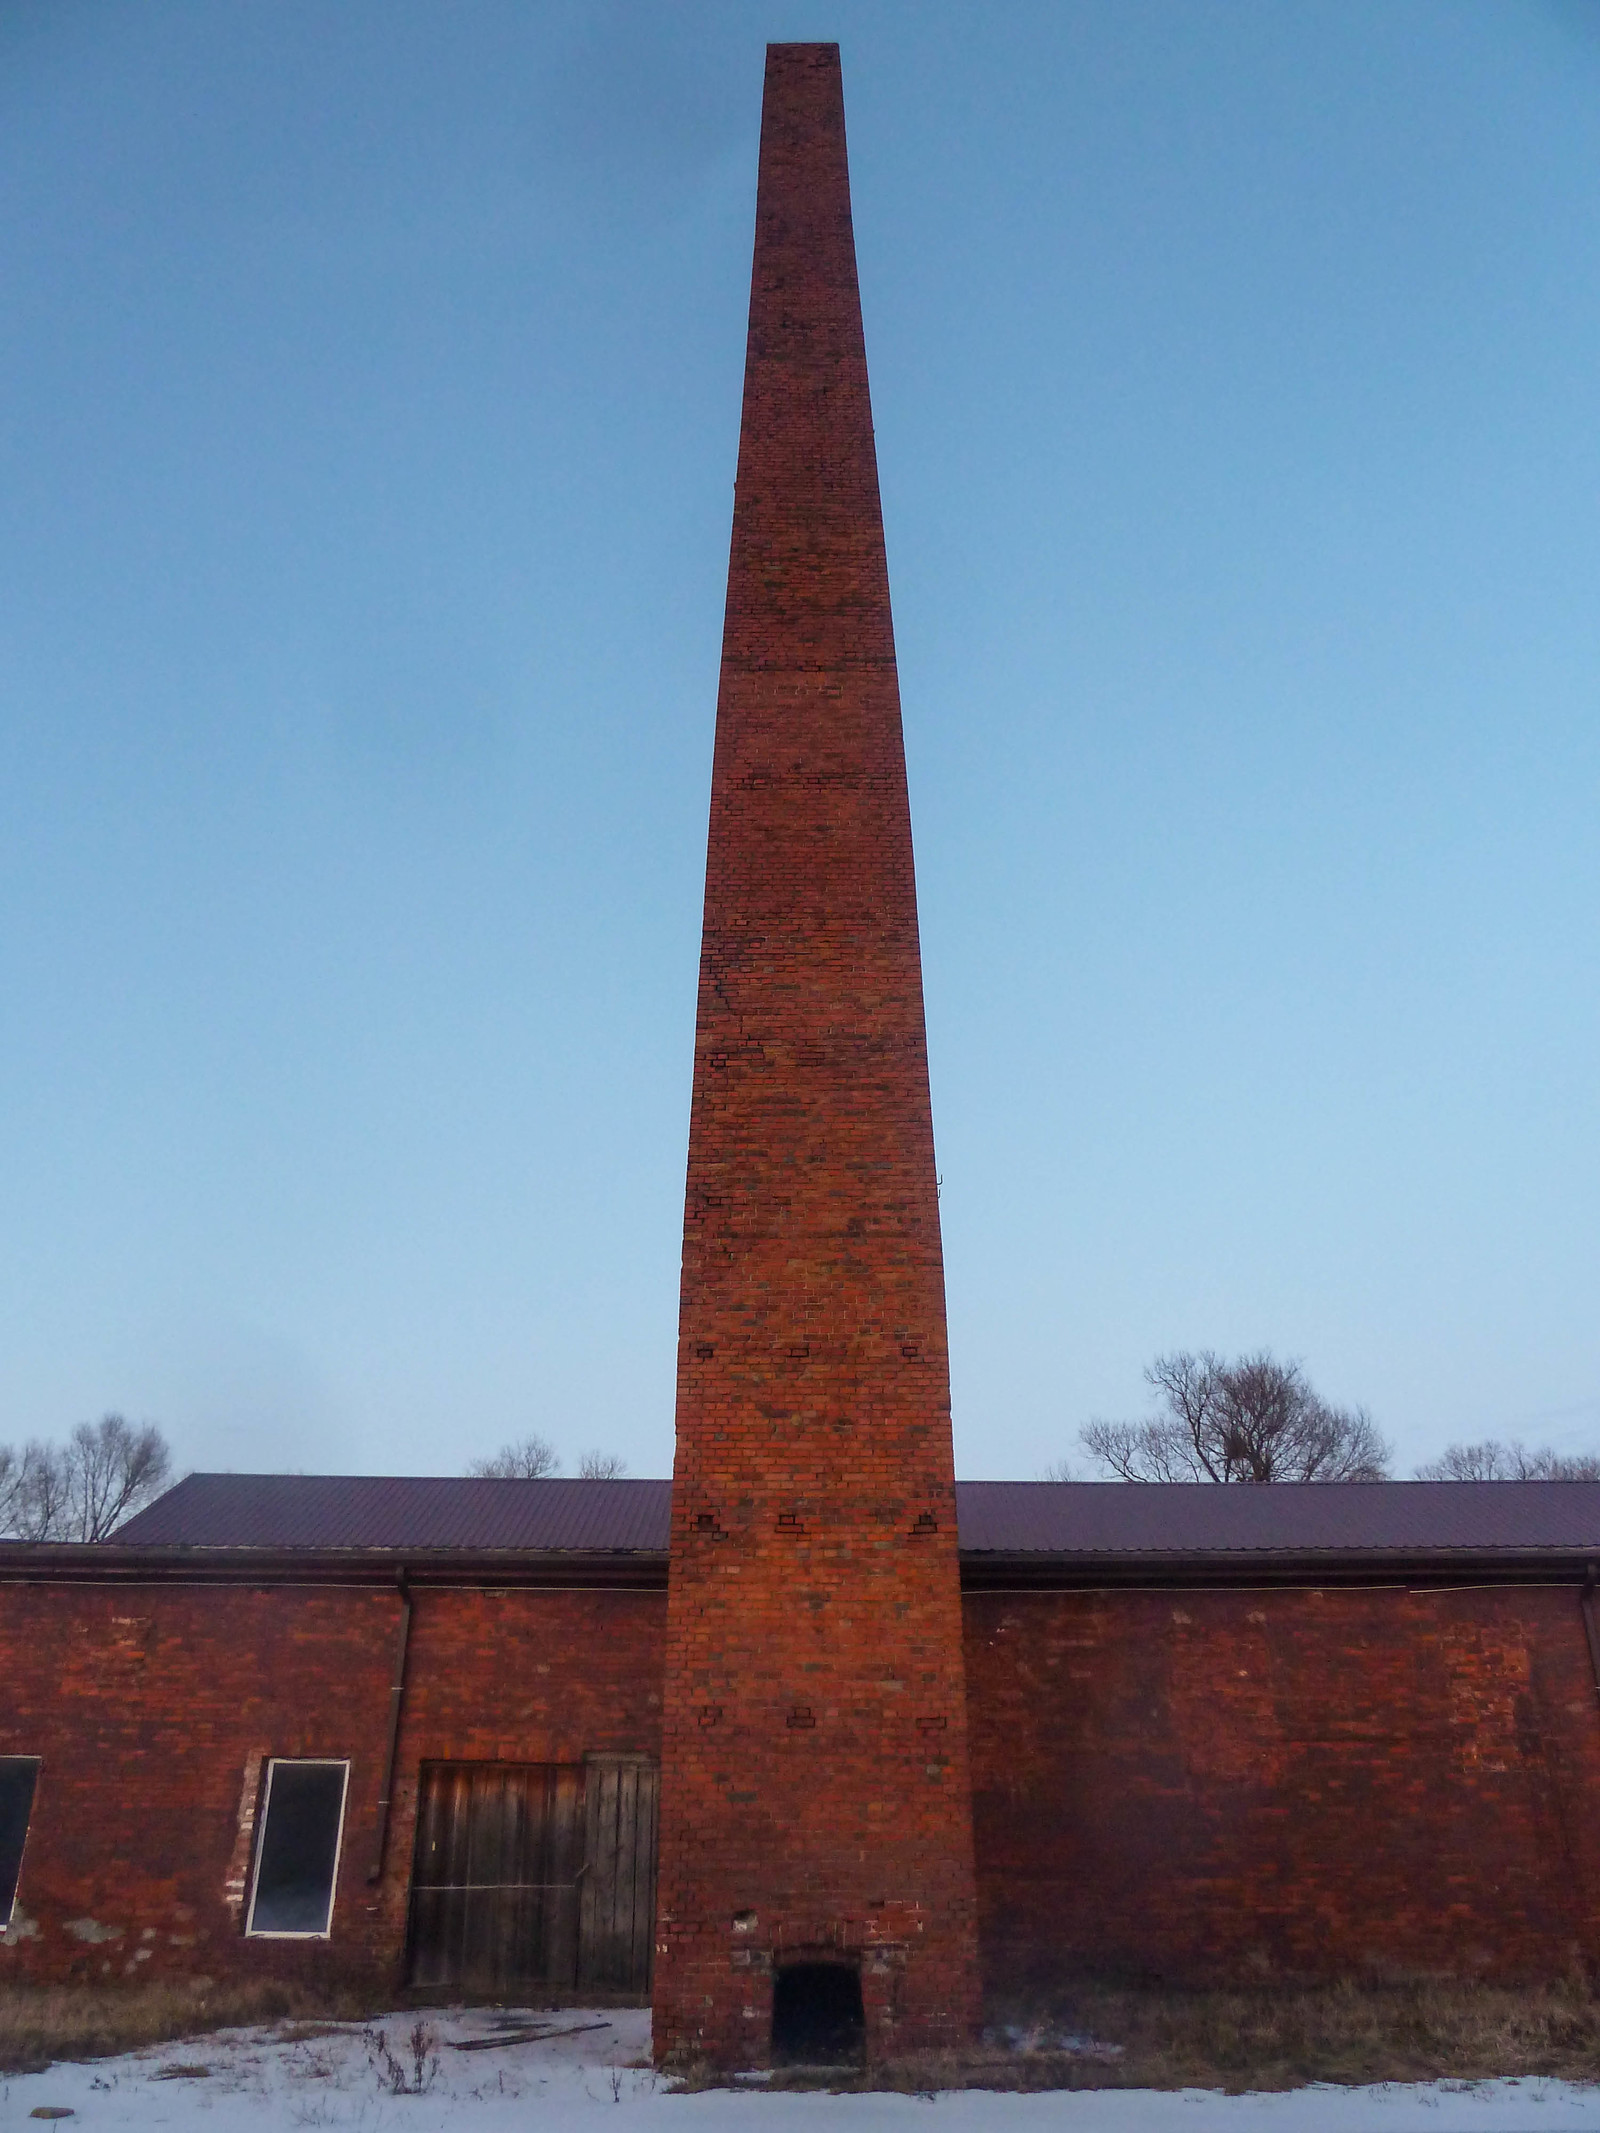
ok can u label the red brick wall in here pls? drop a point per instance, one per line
(1191, 1785)
(1243, 1784)
(814, 1785)
(152, 1708)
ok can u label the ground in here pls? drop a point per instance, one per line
(482, 2072)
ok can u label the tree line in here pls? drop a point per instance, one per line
(81, 1490)
(1258, 1419)
(1254, 1419)
(84, 1489)
(535, 1458)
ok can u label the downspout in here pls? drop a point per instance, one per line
(397, 1691)
(1591, 1624)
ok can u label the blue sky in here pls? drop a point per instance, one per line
(369, 390)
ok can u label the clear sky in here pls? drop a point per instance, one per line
(369, 396)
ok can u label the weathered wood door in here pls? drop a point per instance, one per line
(616, 1934)
(494, 1887)
(535, 1876)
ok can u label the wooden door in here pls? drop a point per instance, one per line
(617, 1926)
(494, 1888)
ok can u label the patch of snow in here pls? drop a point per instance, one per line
(1044, 2037)
(492, 2071)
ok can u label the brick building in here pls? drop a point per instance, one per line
(813, 1745)
(1213, 1733)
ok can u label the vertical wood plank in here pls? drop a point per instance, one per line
(564, 1860)
(617, 1911)
(457, 1866)
(626, 1870)
(642, 1963)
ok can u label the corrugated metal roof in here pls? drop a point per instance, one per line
(404, 1512)
(1287, 1517)
(1072, 1518)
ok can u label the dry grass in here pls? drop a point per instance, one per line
(1266, 2038)
(40, 2023)
(1091, 2037)
(1425, 2030)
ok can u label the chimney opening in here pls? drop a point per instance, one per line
(817, 2016)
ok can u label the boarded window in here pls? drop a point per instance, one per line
(297, 1858)
(18, 1776)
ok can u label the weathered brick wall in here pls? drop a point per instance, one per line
(1196, 1785)
(154, 1707)
(814, 1785)
(544, 1677)
(1206, 1785)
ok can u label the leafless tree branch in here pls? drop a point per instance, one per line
(82, 1490)
(531, 1458)
(1493, 1461)
(1255, 1419)
(601, 1466)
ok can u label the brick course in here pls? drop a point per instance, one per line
(814, 1794)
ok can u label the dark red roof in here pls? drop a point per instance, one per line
(1284, 1518)
(1111, 1520)
(404, 1512)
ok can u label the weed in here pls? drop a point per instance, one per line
(392, 2073)
(319, 2111)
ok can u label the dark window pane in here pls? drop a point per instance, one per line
(299, 1848)
(17, 1776)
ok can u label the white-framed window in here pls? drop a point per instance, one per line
(297, 1848)
(19, 1774)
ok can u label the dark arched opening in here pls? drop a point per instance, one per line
(817, 2018)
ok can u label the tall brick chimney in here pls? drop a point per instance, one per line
(816, 1827)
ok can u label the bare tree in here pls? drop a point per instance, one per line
(1493, 1461)
(82, 1490)
(531, 1458)
(1252, 1420)
(1184, 1443)
(601, 1466)
(11, 1473)
(112, 1468)
(40, 1510)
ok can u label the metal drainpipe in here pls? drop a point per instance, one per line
(397, 1690)
(1591, 1624)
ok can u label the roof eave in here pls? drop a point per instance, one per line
(984, 1570)
(645, 1569)
(105, 1563)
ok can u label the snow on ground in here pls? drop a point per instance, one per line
(583, 2067)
